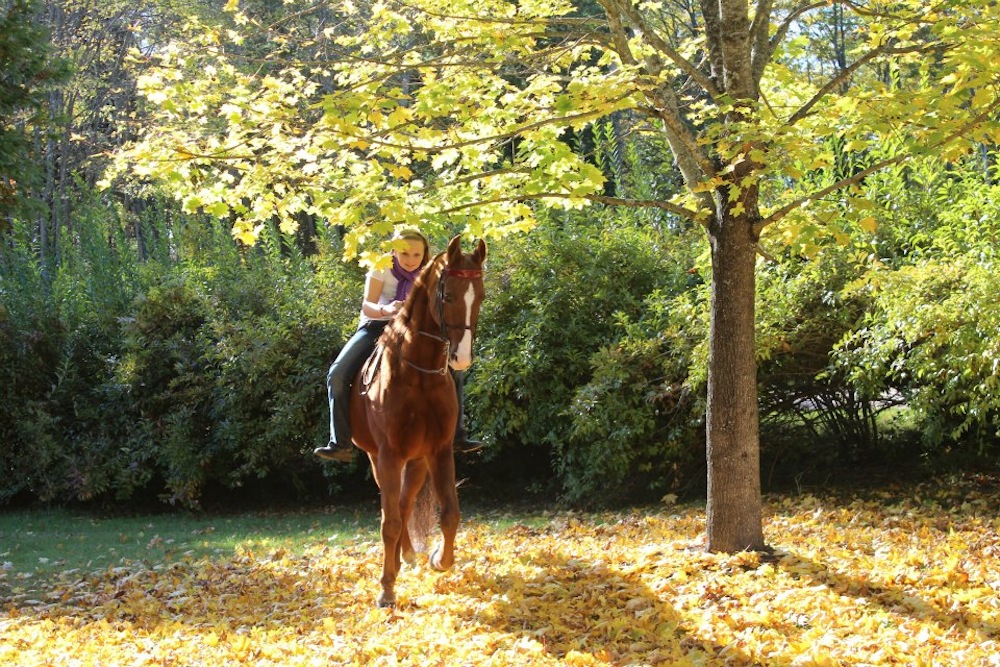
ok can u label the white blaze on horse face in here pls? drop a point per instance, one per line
(462, 358)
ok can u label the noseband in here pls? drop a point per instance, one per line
(442, 336)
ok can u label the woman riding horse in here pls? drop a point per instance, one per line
(385, 292)
(404, 409)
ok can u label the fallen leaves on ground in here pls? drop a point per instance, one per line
(884, 580)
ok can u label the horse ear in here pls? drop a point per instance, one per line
(455, 250)
(480, 255)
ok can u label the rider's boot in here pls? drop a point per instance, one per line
(335, 452)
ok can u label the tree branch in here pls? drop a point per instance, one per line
(857, 178)
(760, 28)
(565, 20)
(561, 120)
(764, 44)
(782, 30)
(843, 76)
(619, 39)
(645, 203)
(626, 8)
(600, 199)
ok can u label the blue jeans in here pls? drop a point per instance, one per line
(340, 376)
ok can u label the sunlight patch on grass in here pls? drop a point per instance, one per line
(36, 544)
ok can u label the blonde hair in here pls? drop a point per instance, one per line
(414, 234)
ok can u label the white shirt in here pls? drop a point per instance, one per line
(388, 295)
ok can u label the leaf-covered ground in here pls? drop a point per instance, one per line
(887, 579)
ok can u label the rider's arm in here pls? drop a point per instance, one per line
(371, 306)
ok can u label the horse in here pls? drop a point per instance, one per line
(404, 410)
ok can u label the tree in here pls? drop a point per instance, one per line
(27, 71)
(94, 111)
(465, 115)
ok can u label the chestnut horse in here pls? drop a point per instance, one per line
(404, 409)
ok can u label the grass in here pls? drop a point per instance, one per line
(35, 544)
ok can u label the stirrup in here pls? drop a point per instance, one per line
(333, 452)
(466, 446)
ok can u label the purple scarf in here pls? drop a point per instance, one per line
(405, 279)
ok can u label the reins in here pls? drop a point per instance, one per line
(437, 371)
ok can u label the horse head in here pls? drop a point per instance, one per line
(460, 293)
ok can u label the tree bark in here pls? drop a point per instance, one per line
(734, 514)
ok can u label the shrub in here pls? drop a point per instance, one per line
(811, 416)
(931, 337)
(555, 310)
(928, 336)
(638, 422)
(202, 369)
(227, 364)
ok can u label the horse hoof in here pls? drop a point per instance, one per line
(386, 601)
(436, 560)
(410, 557)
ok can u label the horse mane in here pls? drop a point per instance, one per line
(393, 334)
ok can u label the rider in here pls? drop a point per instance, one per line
(385, 292)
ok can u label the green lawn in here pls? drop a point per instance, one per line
(36, 544)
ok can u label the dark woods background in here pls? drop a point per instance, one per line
(146, 358)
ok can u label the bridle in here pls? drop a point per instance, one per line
(444, 327)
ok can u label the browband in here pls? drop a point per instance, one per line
(464, 273)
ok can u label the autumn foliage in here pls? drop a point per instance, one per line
(900, 577)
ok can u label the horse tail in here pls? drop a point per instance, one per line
(424, 517)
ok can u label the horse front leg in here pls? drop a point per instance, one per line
(443, 476)
(389, 472)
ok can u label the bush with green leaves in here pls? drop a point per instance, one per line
(227, 364)
(814, 417)
(546, 390)
(65, 430)
(199, 369)
(31, 339)
(637, 429)
(931, 337)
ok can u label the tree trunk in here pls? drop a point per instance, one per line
(733, 449)
(734, 504)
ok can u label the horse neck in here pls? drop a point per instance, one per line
(417, 336)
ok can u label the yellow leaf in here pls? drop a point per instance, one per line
(401, 172)
(982, 98)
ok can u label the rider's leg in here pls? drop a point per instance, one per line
(338, 387)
